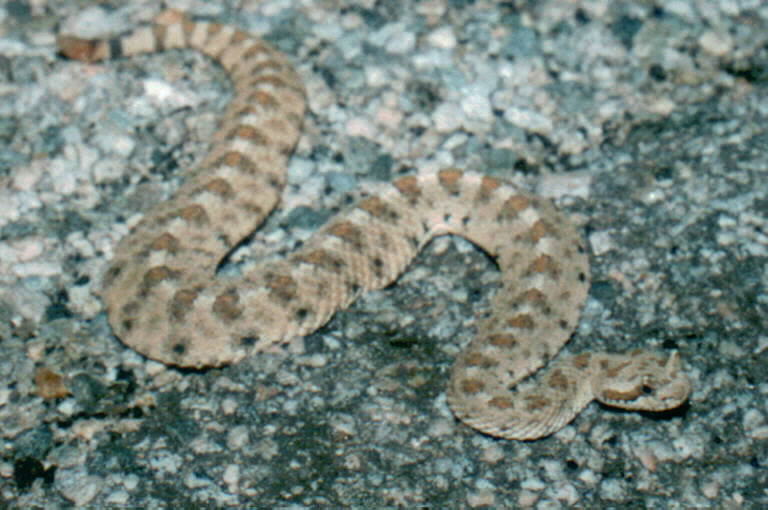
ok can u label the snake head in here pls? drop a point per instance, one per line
(641, 381)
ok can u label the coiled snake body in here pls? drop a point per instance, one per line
(165, 301)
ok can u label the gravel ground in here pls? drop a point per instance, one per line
(646, 121)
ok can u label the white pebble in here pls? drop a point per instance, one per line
(389, 117)
(759, 432)
(83, 300)
(93, 22)
(482, 498)
(27, 177)
(68, 407)
(575, 184)
(528, 120)
(154, 368)
(661, 106)
(166, 462)
(567, 493)
(359, 126)
(108, 169)
(131, 482)
(477, 106)
(681, 8)
(431, 8)
(401, 43)
(237, 437)
(613, 490)
(376, 76)
(232, 477)
(527, 499)
(77, 486)
(9, 206)
(25, 269)
(588, 477)
(454, 141)
(492, 454)
(601, 242)
(328, 31)
(118, 498)
(115, 142)
(447, 117)
(442, 38)
(711, 489)
(314, 360)
(123, 146)
(193, 481)
(63, 176)
(533, 484)
(28, 249)
(163, 93)
(714, 43)
(752, 419)
(300, 170)
(351, 21)
(229, 406)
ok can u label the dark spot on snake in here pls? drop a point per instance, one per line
(563, 324)
(248, 133)
(378, 265)
(558, 380)
(179, 349)
(225, 240)
(472, 386)
(301, 314)
(194, 214)
(256, 49)
(282, 286)
(582, 277)
(112, 273)
(227, 306)
(347, 232)
(130, 308)
(181, 303)
(214, 28)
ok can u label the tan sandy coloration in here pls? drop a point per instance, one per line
(165, 301)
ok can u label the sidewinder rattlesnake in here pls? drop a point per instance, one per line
(165, 301)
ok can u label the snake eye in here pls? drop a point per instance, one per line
(647, 389)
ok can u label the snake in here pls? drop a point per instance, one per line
(165, 300)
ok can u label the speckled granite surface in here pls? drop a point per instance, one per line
(646, 122)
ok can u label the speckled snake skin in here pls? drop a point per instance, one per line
(165, 301)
